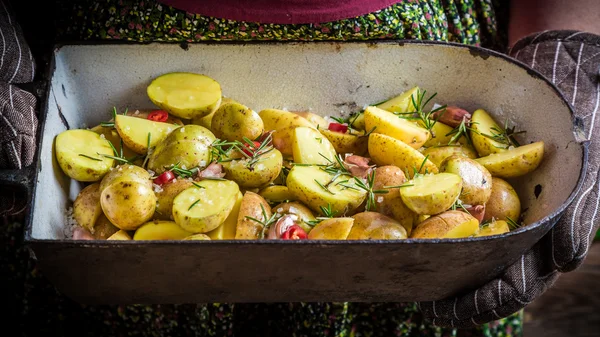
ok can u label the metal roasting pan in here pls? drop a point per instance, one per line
(87, 80)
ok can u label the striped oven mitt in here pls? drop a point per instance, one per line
(18, 120)
(571, 60)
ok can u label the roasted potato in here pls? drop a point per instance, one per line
(431, 193)
(226, 231)
(137, 133)
(86, 208)
(385, 150)
(160, 230)
(493, 228)
(483, 124)
(189, 146)
(515, 162)
(332, 229)
(185, 95)
(310, 147)
(166, 195)
(204, 206)
(259, 174)
(355, 143)
(127, 197)
(401, 103)
(315, 188)
(255, 207)
(448, 225)
(437, 154)
(121, 235)
(391, 125)
(276, 194)
(375, 226)
(80, 155)
(391, 203)
(304, 214)
(284, 123)
(103, 229)
(503, 203)
(476, 179)
(234, 121)
(316, 120)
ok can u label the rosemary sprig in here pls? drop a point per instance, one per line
(325, 187)
(461, 130)
(183, 173)
(368, 187)
(194, 204)
(199, 186)
(89, 157)
(425, 118)
(222, 149)
(327, 214)
(459, 204)
(504, 135)
(213, 178)
(512, 224)
(122, 160)
(337, 167)
(399, 186)
(266, 222)
(110, 124)
(416, 172)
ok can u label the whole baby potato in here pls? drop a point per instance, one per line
(234, 121)
(166, 195)
(503, 203)
(261, 173)
(391, 203)
(450, 224)
(253, 207)
(103, 229)
(477, 180)
(86, 208)
(375, 226)
(189, 146)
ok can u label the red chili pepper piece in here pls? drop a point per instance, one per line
(337, 127)
(249, 150)
(164, 178)
(158, 116)
(295, 232)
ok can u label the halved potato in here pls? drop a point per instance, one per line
(79, 155)
(440, 136)
(391, 125)
(315, 119)
(284, 123)
(448, 225)
(185, 95)
(226, 231)
(86, 208)
(385, 150)
(391, 203)
(276, 194)
(310, 147)
(355, 143)
(482, 124)
(437, 154)
(235, 121)
(494, 228)
(263, 172)
(402, 102)
(252, 207)
(304, 214)
(357, 122)
(431, 193)
(206, 121)
(111, 134)
(514, 162)
(198, 237)
(134, 132)
(477, 180)
(315, 188)
(375, 226)
(332, 229)
(160, 230)
(121, 235)
(503, 203)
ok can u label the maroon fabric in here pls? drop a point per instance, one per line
(281, 11)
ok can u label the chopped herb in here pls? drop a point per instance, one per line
(368, 187)
(327, 214)
(113, 148)
(416, 172)
(368, 133)
(459, 204)
(461, 130)
(485, 223)
(196, 184)
(89, 157)
(325, 187)
(399, 186)
(266, 222)
(504, 136)
(183, 173)
(319, 139)
(222, 149)
(419, 114)
(512, 224)
(123, 160)
(194, 204)
(213, 178)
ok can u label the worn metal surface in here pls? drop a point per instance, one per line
(331, 79)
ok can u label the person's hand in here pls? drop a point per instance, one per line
(571, 60)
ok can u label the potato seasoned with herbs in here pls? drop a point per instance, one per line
(376, 226)
(316, 188)
(310, 147)
(476, 179)
(284, 123)
(437, 154)
(259, 170)
(316, 120)
(384, 122)
(355, 142)
(515, 162)
(205, 205)
(483, 128)
(431, 193)
(493, 228)
(86, 208)
(390, 178)
(254, 214)
(138, 133)
(165, 196)
(81, 154)
(385, 150)
(504, 202)
(189, 146)
(332, 229)
(304, 214)
(443, 135)
(234, 121)
(226, 231)
(401, 103)
(447, 225)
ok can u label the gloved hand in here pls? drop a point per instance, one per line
(571, 60)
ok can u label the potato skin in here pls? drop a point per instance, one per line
(439, 153)
(503, 203)
(477, 180)
(295, 207)
(375, 226)
(265, 171)
(431, 194)
(514, 162)
(276, 193)
(165, 197)
(332, 229)
(401, 129)
(284, 123)
(103, 229)
(347, 143)
(391, 204)
(385, 150)
(86, 208)
(234, 121)
(482, 123)
(246, 228)
(188, 145)
(127, 173)
(450, 224)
